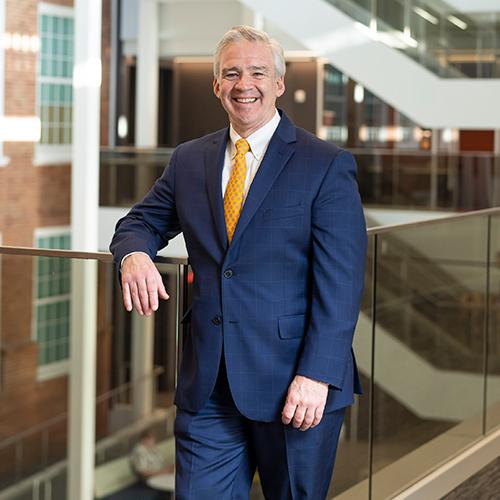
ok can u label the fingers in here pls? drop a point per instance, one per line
(318, 415)
(127, 299)
(152, 294)
(136, 300)
(161, 289)
(288, 412)
(301, 417)
(308, 419)
(144, 297)
(298, 418)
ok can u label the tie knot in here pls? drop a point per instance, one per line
(242, 146)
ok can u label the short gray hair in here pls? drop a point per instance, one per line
(247, 33)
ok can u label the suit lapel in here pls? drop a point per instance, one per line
(278, 153)
(214, 162)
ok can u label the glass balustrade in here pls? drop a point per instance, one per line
(38, 296)
(492, 349)
(392, 178)
(451, 44)
(456, 182)
(126, 174)
(429, 343)
(353, 462)
(427, 347)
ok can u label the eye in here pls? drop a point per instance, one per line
(232, 75)
(258, 74)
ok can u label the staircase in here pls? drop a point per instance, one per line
(390, 63)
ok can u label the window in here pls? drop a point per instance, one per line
(55, 90)
(52, 304)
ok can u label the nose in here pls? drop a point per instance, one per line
(244, 82)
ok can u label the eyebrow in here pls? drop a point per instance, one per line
(225, 71)
(259, 68)
(264, 69)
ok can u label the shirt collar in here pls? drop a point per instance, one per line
(259, 140)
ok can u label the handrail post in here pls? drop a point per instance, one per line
(142, 363)
(181, 309)
(45, 447)
(371, 423)
(486, 326)
(178, 317)
(36, 489)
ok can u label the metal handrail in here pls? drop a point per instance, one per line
(436, 220)
(422, 153)
(134, 149)
(76, 254)
(356, 151)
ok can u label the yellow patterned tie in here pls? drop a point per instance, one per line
(233, 198)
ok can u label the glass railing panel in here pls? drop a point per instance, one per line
(35, 363)
(431, 285)
(357, 9)
(456, 182)
(387, 177)
(492, 418)
(34, 341)
(127, 174)
(351, 475)
(8, 472)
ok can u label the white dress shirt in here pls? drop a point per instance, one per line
(259, 141)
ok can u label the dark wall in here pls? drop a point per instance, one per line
(301, 75)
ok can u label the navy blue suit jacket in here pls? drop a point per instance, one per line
(287, 290)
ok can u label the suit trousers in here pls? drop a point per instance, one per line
(218, 450)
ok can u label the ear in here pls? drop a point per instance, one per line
(280, 86)
(216, 87)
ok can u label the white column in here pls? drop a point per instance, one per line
(146, 134)
(114, 65)
(84, 220)
(142, 365)
(496, 169)
(147, 75)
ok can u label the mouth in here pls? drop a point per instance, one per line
(245, 100)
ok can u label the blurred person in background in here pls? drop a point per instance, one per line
(146, 459)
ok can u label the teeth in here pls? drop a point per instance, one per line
(247, 99)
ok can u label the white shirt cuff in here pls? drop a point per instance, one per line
(128, 255)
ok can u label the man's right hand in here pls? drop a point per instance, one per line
(141, 284)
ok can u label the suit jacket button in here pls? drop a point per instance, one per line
(228, 273)
(216, 320)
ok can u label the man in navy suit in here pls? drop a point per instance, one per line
(267, 368)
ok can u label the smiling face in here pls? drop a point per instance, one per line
(247, 85)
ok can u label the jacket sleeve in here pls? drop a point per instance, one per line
(338, 261)
(151, 223)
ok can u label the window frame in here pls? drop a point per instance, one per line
(4, 160)
(56, 368)
(51, 154)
